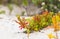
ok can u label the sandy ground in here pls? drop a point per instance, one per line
(9, 30)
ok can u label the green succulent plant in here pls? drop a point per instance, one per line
(36, 22)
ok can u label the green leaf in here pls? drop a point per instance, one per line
(2, 12)
(25, 2)
(36, 2)
(10, 7)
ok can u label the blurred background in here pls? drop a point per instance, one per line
(28, 7)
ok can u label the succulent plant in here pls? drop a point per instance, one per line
(36, 22)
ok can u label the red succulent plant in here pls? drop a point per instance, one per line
(22, 22)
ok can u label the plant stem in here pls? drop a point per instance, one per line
(56, 35)
(28, 33)
(49, 38)
(28, 36)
